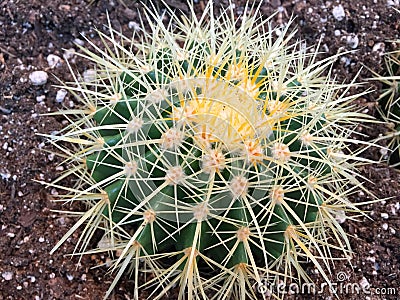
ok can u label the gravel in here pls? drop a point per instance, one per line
(38, 77)
(338, 12)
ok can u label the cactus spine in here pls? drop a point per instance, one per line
(213, 155)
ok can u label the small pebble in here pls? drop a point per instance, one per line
(5, 175)
(79, 42)
(64, 7)
(338, 12)
(61, 221)
(385, 226)
(379, 47)
(385, 215)
(133, 25)
(340, 216)
(345, 60)
(89, 75)
(61, 95)
(40, 98)
(41, 239)
(352, 41)
(53, 61)
(69, 53)
(383, 152)
(371, 258)
(7, 275)
(364, 283)
(38, 77)
(393, 209)
(70, 277)
(393, 2)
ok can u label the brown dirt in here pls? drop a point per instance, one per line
(31, 30)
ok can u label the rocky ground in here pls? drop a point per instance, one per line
(39, 35)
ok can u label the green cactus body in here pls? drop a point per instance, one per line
(222, 155)
(389, 104)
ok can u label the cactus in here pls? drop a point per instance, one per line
(389, 104)
(211, 154)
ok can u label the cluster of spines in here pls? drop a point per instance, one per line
(389, 104)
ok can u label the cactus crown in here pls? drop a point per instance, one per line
(214, 155)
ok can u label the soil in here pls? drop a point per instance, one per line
(32, 30)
